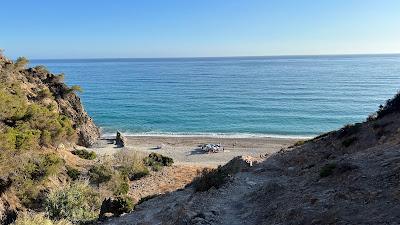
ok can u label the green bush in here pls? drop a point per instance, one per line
(210, 178)
(100, 173)
(78, 203)
(45, 93)
(21, 63)
(73, 173)
(12, 105)
(85, 154)
(118, 185)
(73, 88)
(157, 161)
(116, 206)
(41, 69)
(28, 179)
(37, 219)
(139, 174)
(327, 170)
(76, 88)
(122, 189)
(130, 164)
(41, 167)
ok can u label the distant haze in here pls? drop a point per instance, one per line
(181, 28)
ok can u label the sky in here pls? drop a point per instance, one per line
(48, 29)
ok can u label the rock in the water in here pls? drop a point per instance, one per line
(120, 140)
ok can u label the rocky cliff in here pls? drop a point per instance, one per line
(38, 84)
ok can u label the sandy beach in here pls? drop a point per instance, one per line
(185, 151)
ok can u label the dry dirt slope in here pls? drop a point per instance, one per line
(350, 176)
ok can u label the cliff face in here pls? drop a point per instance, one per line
(68, 104)
(34, 81)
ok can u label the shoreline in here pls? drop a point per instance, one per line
(211, 135)
(185, 149)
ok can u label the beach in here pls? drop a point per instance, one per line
(185, 149)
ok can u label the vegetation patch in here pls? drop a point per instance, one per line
(157, 161)
(73, 173)
(118, 184)
(100, 173)
(116, 206)
(37, 219)
(78, 203)
(85, 154)
(130, 165)
(327, 170)
(392, 105)
(43, 166)
(298, 143)
(209, 178)
(349, 141)
(349, 130)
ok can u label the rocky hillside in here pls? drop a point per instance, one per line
(41, 119)
(38, 85)
(348, 176)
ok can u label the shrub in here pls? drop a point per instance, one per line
(136, 175)
(85, 154)
(327, 170)
(156, 161)
(349, 129)
(73, 173)
(37, 219)
(349, 141)
(117, 206)
(45, 93)
(12, 106)
(28, 179)
(43, 166)
(210, 178)
(41, 69)
(20, 63)
(73, 88)
(100, 173)
(59, 78)
(118, 185)
(130, 165)
(392, 105)
(78, 203)
(76, 88)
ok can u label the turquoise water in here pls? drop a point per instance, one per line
(267, 96)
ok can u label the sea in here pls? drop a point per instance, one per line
(277, 96)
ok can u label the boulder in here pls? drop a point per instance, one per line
(120, 140)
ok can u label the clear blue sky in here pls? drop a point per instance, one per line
(184, 28)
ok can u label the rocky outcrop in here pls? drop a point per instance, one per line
(120, 140)
(36, 81)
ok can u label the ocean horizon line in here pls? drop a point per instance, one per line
(218, 57)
